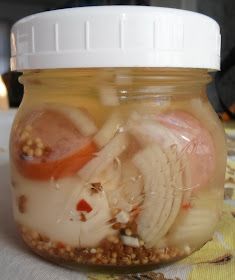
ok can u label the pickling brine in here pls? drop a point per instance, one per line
(117, 167)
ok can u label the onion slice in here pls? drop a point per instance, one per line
(104, 157)
(109, 129)
(162, 190)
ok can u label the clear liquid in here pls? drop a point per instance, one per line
(117, 180)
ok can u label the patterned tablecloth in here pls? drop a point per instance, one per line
(214, 261)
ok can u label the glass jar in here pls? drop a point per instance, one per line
(116, 166)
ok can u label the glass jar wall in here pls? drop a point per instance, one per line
(116, 166)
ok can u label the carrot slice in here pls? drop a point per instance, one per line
(68, 166)
(48, 145)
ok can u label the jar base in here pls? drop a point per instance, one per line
(115, 257)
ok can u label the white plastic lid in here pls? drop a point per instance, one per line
(115, 36)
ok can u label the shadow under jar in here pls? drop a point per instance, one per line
(116, 167)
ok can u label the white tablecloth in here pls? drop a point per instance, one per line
(16, 261)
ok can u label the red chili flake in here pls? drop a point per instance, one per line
(186, 206)
(60, 245)
(83, 205)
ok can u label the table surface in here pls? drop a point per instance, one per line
(18, 263)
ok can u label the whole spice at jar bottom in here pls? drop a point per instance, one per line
(110, 252)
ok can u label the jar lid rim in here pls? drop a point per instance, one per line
(115, 36)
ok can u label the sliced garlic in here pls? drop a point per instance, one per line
(130, 241)
(122, 217)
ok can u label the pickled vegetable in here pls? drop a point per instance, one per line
(130, 190)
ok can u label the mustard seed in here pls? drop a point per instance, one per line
(128, 232)
(30, 152)
(24, 136)
(25, 149)
(28, 127)
(38, 152)
(29, 142)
